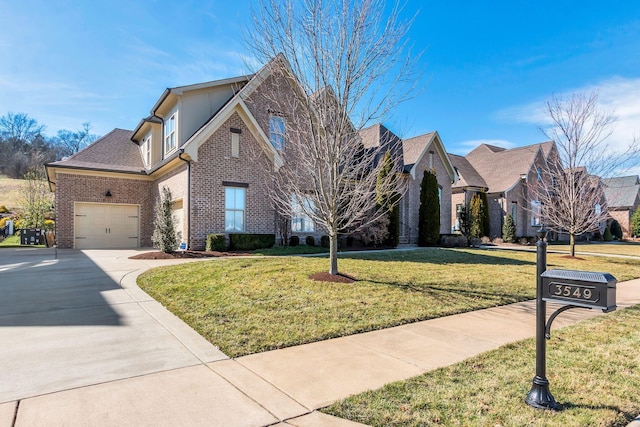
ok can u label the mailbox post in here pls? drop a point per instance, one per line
(539, 396)
(573, 289)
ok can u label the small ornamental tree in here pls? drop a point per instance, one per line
(387, 199)
(164, 231)
(476, 212)
(508, 230)
(635, 223)
(36, 200)
(429, 213)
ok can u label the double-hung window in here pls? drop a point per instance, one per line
(234, 208)
(536, 212)
(146, 150)
(170, 134)
(300, 221)
(277, 132)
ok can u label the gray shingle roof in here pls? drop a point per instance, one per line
(501, 168)
(113, 152)
(412, 148)
(467, 175)
(622, 192)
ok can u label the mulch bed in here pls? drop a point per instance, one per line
(572, 257)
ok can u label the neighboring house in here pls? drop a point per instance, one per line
(504, 174)
(203, 141)
(414, 156)
(623, 198)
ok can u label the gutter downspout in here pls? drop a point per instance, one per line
(188, 162)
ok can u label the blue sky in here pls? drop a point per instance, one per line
(488, 66)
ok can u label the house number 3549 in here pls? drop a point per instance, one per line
(568, 291)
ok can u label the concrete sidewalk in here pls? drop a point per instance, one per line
(282, 387)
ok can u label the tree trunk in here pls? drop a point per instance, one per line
(333, 253)
(572, 244)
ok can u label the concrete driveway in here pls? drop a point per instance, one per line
(66, 321)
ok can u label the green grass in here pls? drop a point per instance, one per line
(593, 369)
(14, 242)
(621, 248)
(246, 306)
(291, 250)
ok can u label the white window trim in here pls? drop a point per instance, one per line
(244, 211)
(146, 150)
(174, 133)
(536, 212)
(299, 216)
(272, 133)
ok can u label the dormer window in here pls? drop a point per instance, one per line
(170, 134)
(277, 132)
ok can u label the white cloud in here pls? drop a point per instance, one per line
(620, 96)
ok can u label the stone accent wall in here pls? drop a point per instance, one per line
(215, 165)
(72, 188)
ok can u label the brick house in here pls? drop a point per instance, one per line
(623, 198)
(504, 174)
(202, 141)
(414, 156)
(211, 144)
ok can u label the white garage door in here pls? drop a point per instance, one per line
(104, 226)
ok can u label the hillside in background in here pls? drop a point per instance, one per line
(10, 192)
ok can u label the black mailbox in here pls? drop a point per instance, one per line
(580, 288)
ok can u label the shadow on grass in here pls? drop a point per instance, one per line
(627, 415)
(436, 291)
(440, 256)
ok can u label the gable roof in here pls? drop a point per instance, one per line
(622, 192)
(502, 168)
(467, 175)
(114, 152)
(414, 149)
(237, 104)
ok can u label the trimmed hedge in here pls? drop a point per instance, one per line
(310, 241)
(250, 242)
(216, 242)
(294, 241)
(454, 241)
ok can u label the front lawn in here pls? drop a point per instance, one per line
(618, 248)
(247, 306)
(593, 369)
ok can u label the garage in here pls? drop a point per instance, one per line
(106, 226)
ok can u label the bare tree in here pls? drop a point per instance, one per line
(19, 127)
(350, 64)
(570, 191)
(71, 142)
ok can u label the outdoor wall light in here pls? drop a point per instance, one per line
(108, 193)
